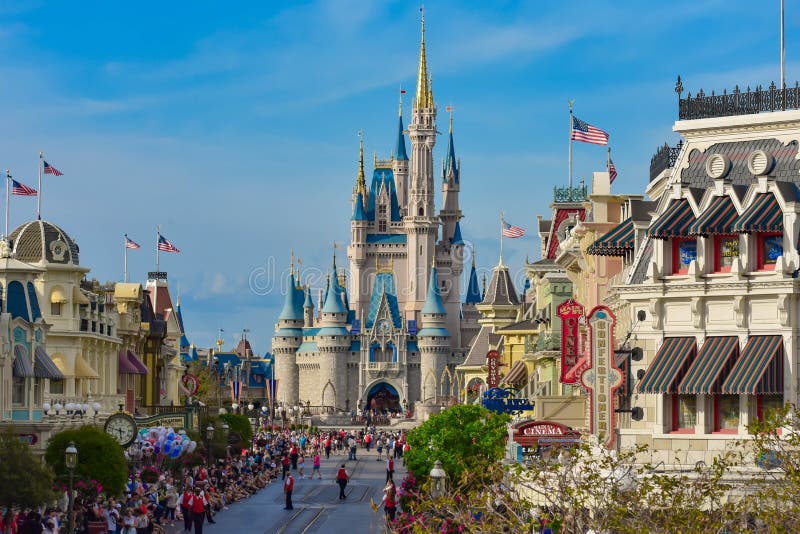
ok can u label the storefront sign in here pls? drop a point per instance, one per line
(570, 313)
(503, 400)
(493, 372)
(603, 377)
(533, 433)
(175, 420)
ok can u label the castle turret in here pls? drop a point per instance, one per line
(333, 344)
(287, 339)
(308, 310)
(400, 165)
(421, 222)
(434, 343)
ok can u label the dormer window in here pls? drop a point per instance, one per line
(684, 250)
(769, 249)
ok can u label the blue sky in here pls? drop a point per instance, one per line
(234, 125)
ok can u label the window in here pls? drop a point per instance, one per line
(55, 308)
(683, 252)
(770, 247)
(684, 413)
(18, 391)
(382, 226)
(382, 210)
(726, 413)
(56, 387)
(767, 403)
(726, 250)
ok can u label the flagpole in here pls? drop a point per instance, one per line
(571, 102)
(783, 56)
(125, 267)
(8, 179)
(39, 196)
(158, 236)
(502, 218)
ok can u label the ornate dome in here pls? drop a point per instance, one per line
(39, 240)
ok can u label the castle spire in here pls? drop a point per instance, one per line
(424, 96)
(451, 164)
(361, 187)
(400, 149)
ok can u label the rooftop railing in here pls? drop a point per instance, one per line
(664, 158)
(737, 102)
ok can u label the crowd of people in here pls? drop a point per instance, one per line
(192, 496)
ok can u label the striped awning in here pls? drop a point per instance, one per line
(517, 375)
(669, 366)
(44, 367)
(616, 242)
(674, 222)
(759, 370)
(763, 215)
(716, 219)
(713, 363)
(22, 367)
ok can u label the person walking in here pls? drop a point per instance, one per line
(390, 500)
(342, 478)
(389, 469)
(288, 488)
(301, 461)
(198, 504)
(316, 466)
(293, 454)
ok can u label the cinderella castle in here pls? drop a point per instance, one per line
(392, 340)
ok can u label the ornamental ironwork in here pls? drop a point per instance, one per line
(665, 158)
(737, 102)
(569, 194)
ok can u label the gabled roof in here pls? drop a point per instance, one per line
(383, 178)
(383, 287)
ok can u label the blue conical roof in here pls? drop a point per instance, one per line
(333, 302)
(308, 303)
(433, 304)
(457, 239)
(473, 289)
(450, 163)
(290, 311)
(400, 151)
(358, 210)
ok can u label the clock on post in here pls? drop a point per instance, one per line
(122, 427)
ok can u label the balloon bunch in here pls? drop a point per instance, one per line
(159, 443)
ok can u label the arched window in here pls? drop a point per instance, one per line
(421, 212)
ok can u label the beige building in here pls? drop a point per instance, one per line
(716, 277)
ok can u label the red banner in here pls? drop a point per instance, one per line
(570, 313)
(493, 365)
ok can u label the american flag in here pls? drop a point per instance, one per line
(49, 169)
(585, 132)
(22, 189)
(612, 171)
(166, 246)
(130, 243)
(509, 230)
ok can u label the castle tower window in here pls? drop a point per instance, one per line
(382, 226)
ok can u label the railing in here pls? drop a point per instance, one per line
(569, 194)
(665, 158)
(737, 102)
(383, 366)
(159, 276)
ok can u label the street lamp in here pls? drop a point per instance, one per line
(438, 480)
(225, 428)
(209, 437)
(70, 461)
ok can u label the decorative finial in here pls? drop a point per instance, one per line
(361, 186)
(679, 86)
(423, 92)
(291, 263)
(449, 109)
(402, 92)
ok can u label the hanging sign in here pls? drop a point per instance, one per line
(504, 400)
(493, 366)
(570, 313)
(603, 378)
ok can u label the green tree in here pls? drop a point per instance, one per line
(463, 437)
(241, 425)
(100, 457)
(24, 480)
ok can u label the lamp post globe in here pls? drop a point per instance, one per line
(70, 461)
(438, 480)
(250, 406)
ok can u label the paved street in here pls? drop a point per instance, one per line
(316, 503)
